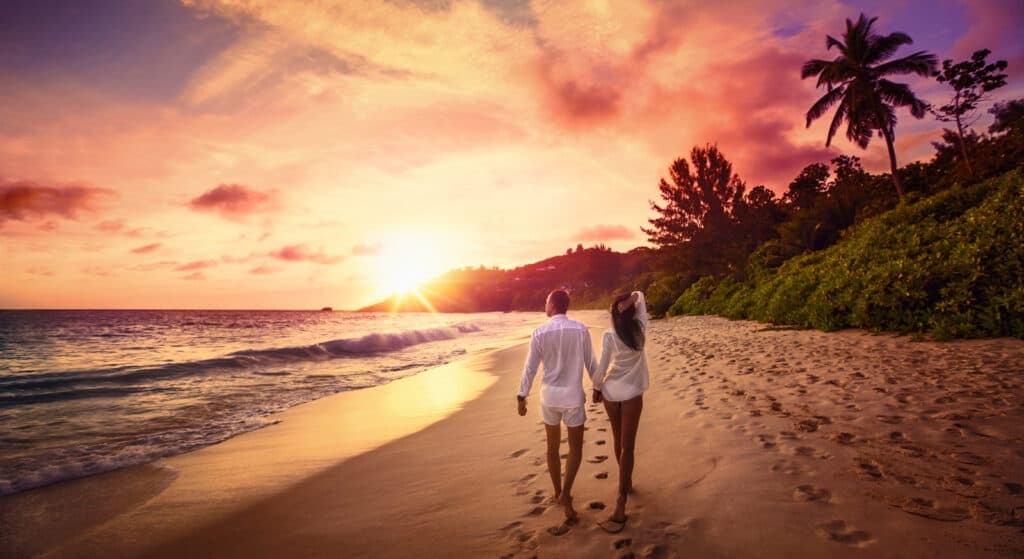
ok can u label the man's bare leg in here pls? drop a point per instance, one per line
(572, 466)
(554, 433)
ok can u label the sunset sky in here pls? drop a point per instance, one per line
(287, 154)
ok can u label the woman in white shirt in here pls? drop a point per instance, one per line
(620, 380)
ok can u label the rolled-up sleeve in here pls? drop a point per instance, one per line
(530, 369)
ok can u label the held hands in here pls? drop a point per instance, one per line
(598, 397)
(522, 406)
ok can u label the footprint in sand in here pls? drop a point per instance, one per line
(598, 459)
(838, 531)
(928, 508)
(518, 453)
(845, 438)
(536, 511)
(595, 505)
(599, 443)
(811, 494)
(601, 475)
(869, 469)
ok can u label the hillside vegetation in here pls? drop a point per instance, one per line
(951, 265)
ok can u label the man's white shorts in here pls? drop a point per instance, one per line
(573, 417)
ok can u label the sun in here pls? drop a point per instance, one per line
(404, 264)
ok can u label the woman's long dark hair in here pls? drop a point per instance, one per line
(626, 325)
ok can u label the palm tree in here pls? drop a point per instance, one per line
(856, 79)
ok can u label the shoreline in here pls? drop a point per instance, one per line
(214, 480)
(753, 443)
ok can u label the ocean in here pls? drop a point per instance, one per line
(85, 392)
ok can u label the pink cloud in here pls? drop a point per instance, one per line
(235, 200)
(40, 271)
(99, 271)
(145, 249)
(149, 267)
(21, 200)
(300, 253)
(196, 265)
(116, 226)
(264, 270)
(605, 233)
(369, 249)
(194, 276)
(112, 226)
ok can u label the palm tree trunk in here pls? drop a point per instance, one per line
(963, 146)
(887, 133)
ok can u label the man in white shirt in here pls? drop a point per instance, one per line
(564, 347)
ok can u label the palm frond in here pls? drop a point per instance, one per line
(813, 68)
(831, 41)
(837, 120)
(922, 63)
(884, 47)
(822, 105)
(899, 94)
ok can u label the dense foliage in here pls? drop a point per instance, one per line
(951, 265)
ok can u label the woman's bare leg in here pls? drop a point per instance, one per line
(630, 421)
(614, 411)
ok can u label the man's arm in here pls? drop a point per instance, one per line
(589, 360)
(529, 372)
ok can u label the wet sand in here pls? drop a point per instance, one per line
(754, 442)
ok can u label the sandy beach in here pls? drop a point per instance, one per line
(754, 442)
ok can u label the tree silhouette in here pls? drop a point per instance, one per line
(971, 81)
(696, 200)
(807, 186)
(856, 80)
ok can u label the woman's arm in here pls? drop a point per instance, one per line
(641, 309)
(597, 377)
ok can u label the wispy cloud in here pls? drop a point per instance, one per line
(605, 233)
(264, 270)
(196, 265)
(367, 249)
(146, 249)
(302, 253)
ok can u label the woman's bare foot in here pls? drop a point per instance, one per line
(570, 512)
(620, 510)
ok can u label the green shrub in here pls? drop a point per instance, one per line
(951, 265)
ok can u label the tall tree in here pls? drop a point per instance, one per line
(696, 200)
(807, 186)
(857, 81)
(971, 81)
